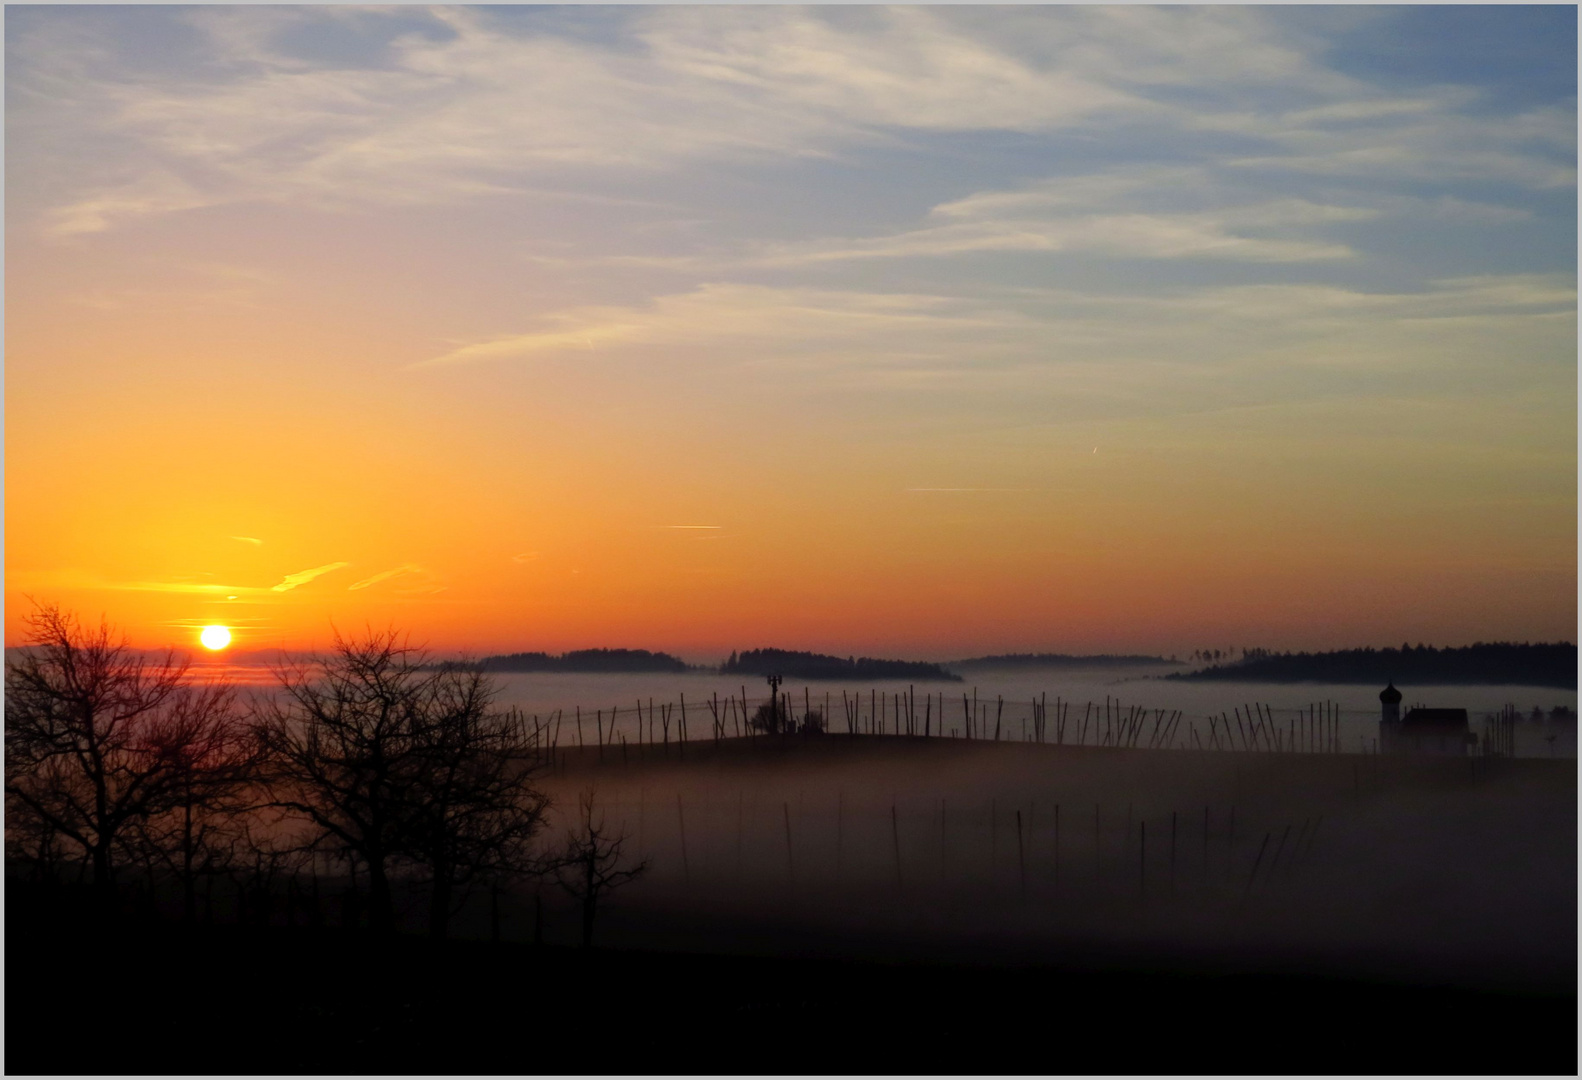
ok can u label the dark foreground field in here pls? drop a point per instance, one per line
(881, 905)
(151, 998)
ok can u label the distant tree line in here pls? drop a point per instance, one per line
(1026, 660)
(370, 764)
(1498, 663)
(807, 665)
(603, 661)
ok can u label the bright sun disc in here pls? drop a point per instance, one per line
(215, 637)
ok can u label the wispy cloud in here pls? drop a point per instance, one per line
(464, 104)
(248, 540)
(302, 577)
(1034, 222)
(1046, 328)
(385, 575)
(734, 311)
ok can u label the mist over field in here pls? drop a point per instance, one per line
(992, 413)
(1458, 870)
(1356, 707)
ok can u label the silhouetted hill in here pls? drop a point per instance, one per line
(1500, 663)
(806, 665)
(1040, 660)
(586, 660)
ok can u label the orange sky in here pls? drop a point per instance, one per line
(483, 412)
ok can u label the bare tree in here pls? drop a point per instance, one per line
(264, 853)
(401, 763)
(30, 840)
(96, 735)
(340, 748)
(211, 764)
(590, 865)
(475, 806)
(772, 718)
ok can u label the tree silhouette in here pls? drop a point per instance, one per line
(97, 736)
(340, 749)
(395, 761)
(590, 865)
(210, 767)
(476, 810)
(772, 717)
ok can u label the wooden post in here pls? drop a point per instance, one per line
(1057, 837)
(941, 841)
(1021, 858)
(1097, 864)
(1256, 863)
(1276, 861)
(840, 821)
(1142, 858)
(681, 817)
(1172, 851)
(994, 832)
(1296, 851)
(1310, 838)
(895, 834)
(1205, 843)
(1230, 842)
(790, 864)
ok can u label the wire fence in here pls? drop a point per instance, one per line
(1320, 727)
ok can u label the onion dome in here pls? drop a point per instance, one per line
(1390, 695)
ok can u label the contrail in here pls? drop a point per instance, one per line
(302, 577)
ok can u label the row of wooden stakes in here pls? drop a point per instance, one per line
(1315, 729)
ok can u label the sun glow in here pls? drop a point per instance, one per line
(215, 637)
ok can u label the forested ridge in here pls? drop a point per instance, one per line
(1496, 663)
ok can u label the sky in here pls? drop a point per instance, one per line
(924, 331)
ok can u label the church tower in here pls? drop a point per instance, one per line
(1390, 697)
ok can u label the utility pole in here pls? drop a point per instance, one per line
(774, 699)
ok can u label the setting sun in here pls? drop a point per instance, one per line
(215, 637)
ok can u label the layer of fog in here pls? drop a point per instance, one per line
(1418, 869)
(1357, 707)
